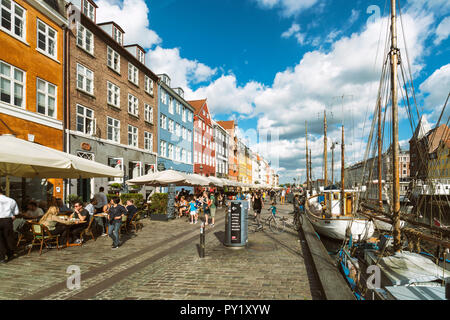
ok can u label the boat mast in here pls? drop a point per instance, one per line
(307, 161)
(380, 187)
(342, 175)
(395, 150)
(325, 153)
(310, 171)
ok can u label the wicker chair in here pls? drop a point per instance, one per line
(135, 222)
(88, 231)
(41, 236)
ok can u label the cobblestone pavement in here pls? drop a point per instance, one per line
(162, 262)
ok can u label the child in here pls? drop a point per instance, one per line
(273, 208)
(193, 210)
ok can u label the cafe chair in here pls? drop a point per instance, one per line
(124, 225)
(41, 236)
(135, 222)
(88, 231)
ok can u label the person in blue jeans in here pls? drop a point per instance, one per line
(115, 214)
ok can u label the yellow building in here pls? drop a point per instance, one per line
(439, 164)
(242, 177)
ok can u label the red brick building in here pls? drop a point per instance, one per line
(204, 146)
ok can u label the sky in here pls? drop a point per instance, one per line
(273, 65)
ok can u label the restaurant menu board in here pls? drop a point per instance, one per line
(171, 201)
(235, 222)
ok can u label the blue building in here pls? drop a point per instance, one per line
(175, 130)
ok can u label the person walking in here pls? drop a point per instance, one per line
(258, 204)
(115, 214)
(283, 196)
(206, 207)
(212, 208)
(8, 211)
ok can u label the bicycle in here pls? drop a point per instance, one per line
(298, 220)
(276, 224)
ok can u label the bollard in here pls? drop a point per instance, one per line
(202, 241)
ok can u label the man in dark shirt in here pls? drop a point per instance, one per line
(131, 209)
(116, 212)
(83, 216)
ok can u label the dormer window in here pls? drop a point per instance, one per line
(180, 92)
(117, 35)
(141, 56)
(89, 10)
(165, 78)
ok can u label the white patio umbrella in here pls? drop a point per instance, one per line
(197, 180)
(161, 178)
(21, 158)
(216, 181)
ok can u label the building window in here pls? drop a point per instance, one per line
(177, 153)
(113, 60)
(178, 108)
(113, 130)
(189, 135)
(46, 39)
(171, 126)
(189, 159)
(117, 35)
(190, 115)
(148, 141)
(12, 84)
(12, 19)
(148, 113)
(133, 74)
(184, 114)
(183, 156)
(178, 130)
(133, 105)
(163, 122)
(171, 105)
(170, 155)
(132, 136)
(148, 85)
(163, 148)
(85, 39)
(46, 98)
(113, 94)
(85, 79)
(141, 56)
(85, 120)
(88, 10)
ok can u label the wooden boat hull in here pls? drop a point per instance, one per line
(336, 228)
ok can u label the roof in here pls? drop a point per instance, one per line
(197, 104)
(227, 124)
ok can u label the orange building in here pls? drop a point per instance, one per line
(32, 82)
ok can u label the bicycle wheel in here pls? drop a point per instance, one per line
(276, 226)
(298, 221)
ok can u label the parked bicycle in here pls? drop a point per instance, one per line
(276, 224)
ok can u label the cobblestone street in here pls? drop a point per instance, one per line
(162, 262)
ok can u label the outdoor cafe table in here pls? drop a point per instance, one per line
(69, 223)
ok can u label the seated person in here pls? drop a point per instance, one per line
(83, 216)
(62, 207)
(131, 209)
(55, 224)
(33, 210)
(91, 206)
(182, 206)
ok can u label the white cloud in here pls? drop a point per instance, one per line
(288, 7)
(181, 71)
(435, 89)
(132, 17)
(442, 31)
(294, 30)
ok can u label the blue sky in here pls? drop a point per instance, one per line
(272, 64)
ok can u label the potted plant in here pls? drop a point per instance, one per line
(72, 198)
(158, 206)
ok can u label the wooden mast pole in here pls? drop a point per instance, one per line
(307, 161)
(395, 149)
(342, 175)
(380, 149)
(325, 153)
(310, 170)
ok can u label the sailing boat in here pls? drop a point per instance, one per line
(403, 274)
(332, 212)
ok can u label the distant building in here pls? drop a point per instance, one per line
(222, 141)
(233, 164)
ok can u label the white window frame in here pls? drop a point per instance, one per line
(148, 141)
(82, 36)
(171, 100)
(133, 133)
(178, 129)
(163, 148)
(148, 85)
(113, 94)
(15, 17)
(89, 10)
(113, 59)
(50, 43)
(178, 108)
(183, 117)
(163, 96)
(133, 105)
(184, 156)
(117, 35)
(115, 129)
(163, 121)
(133, 74)
(141, 56)
(171, 126)
(85, 117)
(86, 74)
(13, 84)
(148, 113)
(189, 155)
(177, 153)
(170, 151)
(47, 97)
